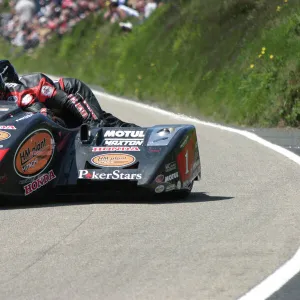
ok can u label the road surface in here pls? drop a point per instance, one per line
(240, 224)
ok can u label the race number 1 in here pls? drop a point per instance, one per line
(186, 162)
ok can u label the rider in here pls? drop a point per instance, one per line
(70, 98)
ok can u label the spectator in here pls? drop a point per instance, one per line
(150, 8)
(25, 10)
(31, 23)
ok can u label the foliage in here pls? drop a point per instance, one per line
(231, 60)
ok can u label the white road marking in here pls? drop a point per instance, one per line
(275, 281)
(287, 271)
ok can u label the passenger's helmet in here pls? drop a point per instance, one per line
(8, 72)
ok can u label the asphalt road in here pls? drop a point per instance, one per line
(241, 223)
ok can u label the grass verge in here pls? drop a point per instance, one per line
(234, 61)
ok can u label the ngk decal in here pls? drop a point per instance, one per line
(171, 177)
(113, 142)
(100, 149)
(39, 182)
(123, 133)
(115, 175)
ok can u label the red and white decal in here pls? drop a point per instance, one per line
(39, 182)
(43, 111)
(47, 90)
(8, 127)
(27, 100)
(73, 99)
(91, 111)
(100, 149)
(81, 110)
(160, 178)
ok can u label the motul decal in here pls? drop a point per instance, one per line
(123, 133)
(39, 182)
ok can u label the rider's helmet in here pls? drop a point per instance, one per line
(8, 72)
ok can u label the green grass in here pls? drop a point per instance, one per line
(194, 57)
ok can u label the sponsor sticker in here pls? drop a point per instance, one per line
(8, 127)
(184, 142)
(27, 99)
(3, 179)
(196, 164)
(115, 175)
(34, 153)
(170, 187)
(170, 166)
(196, 170)
(4, 109)
(113, 142)
(171, 177)
(4, 135)
(47, 90)
(10, 84)
(124, 133)
(178, 185)
(154, 150)
(25, 117)
(100, 149)
(39, 182)
(159, 189)
(12, 99)
(160, 178)
(113, 160)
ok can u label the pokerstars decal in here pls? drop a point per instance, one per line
(115, 175)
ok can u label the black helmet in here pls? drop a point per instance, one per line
(8, 72)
